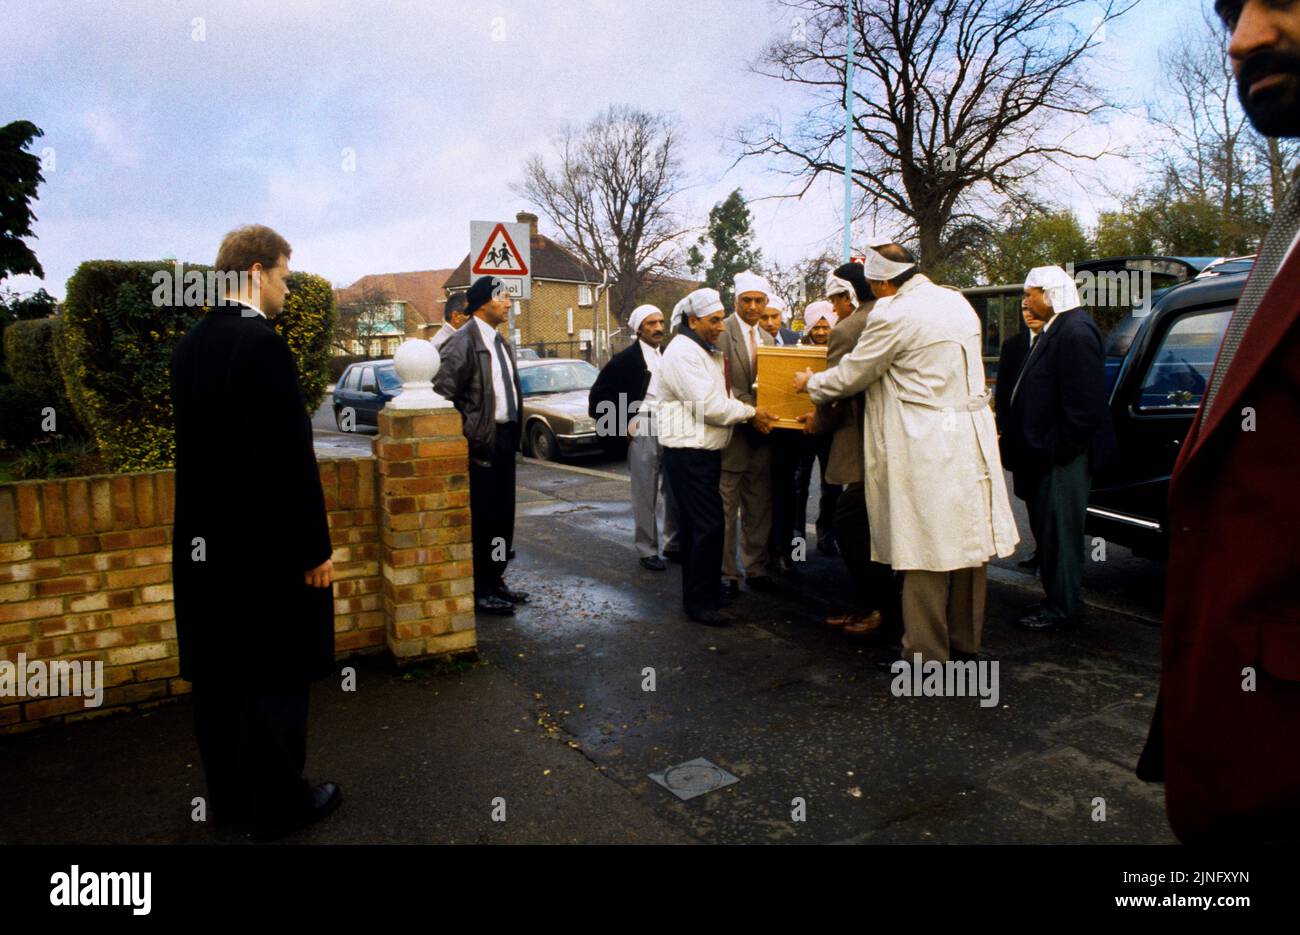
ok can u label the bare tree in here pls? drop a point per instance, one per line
(360, 315)
(957, 104)
(609, 191)
(1209, 153)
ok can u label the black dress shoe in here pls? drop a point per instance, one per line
(710, 618)
(494, 605)
(1041, 621)
(654, 563)
(514, 597)
(729, 590)
(321, 801)
(763, 584)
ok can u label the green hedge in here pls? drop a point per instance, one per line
(114, 352)
(29, 358)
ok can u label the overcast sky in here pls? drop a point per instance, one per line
(165, 134)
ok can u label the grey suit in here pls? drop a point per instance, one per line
(746, 465)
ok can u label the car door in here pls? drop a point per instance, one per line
(368, 399)
(1155, 400)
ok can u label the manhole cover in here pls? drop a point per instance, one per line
(692, 778)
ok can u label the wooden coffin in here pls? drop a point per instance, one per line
(776, 369)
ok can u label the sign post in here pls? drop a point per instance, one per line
(502, 249)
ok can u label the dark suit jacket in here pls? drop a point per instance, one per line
(247, 485)
(735, 350)
(622, 383)
(789, 337)
(1060, 409)
(1012, 358)
(1230, 758)
(465, 377)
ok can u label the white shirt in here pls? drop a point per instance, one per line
(247, 305)
(501, 413)
(689, 399)
(652, 357)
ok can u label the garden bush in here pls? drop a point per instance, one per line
(114, 352)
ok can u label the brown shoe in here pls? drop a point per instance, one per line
(861, 626)
(841, 620)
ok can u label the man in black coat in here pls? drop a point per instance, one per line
(251, 567)
(479, 375)
(1010, 362)
(615, 402)
(1058, 420)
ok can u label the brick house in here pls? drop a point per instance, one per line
(415, 309)
(569, 313)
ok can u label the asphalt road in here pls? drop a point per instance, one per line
(554, 731)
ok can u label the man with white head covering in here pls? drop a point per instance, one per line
(1059, 430)
(615, 402)
(694, 411)
(747, 460)
(934, 485)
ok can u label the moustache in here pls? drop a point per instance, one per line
(1261, 64)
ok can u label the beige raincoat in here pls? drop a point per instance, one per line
(935, 490)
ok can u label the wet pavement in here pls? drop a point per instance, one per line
(553, 722)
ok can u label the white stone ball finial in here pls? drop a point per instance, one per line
(416, 362)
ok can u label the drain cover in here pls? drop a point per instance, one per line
(692, 778)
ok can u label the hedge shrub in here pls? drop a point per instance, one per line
(29, 359)
(114, 352)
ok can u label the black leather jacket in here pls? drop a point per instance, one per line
(465, 378)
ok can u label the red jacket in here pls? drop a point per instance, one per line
(1231, 758)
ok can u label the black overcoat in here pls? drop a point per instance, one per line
(1061, 409)
(248, 487)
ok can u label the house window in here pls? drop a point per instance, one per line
(584, 296)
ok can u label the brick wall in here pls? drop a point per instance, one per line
(85, 567)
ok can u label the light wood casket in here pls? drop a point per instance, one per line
(776, 369)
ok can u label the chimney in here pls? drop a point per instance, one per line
(524, 217)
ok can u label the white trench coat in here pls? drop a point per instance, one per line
(936, 495)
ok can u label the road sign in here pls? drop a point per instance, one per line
(502, 249)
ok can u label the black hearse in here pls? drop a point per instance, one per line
(1162, 363)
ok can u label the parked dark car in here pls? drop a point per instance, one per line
(555, 416)
(365, 388)
(1158, 384)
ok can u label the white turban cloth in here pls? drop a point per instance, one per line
(775, 301)
(700, 303)
(835, 285)
(640, 314)
(879, 268)
(749, 281)
(818, 311)
(1057, 285)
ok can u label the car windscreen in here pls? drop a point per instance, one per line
(557, 378)
(389, 380)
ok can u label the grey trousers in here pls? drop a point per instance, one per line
(1060, 509)
(653, 508)
(943, 612)
(747, 503)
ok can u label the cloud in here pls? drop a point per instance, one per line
(106, 132)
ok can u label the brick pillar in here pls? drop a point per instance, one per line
(425, 556)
